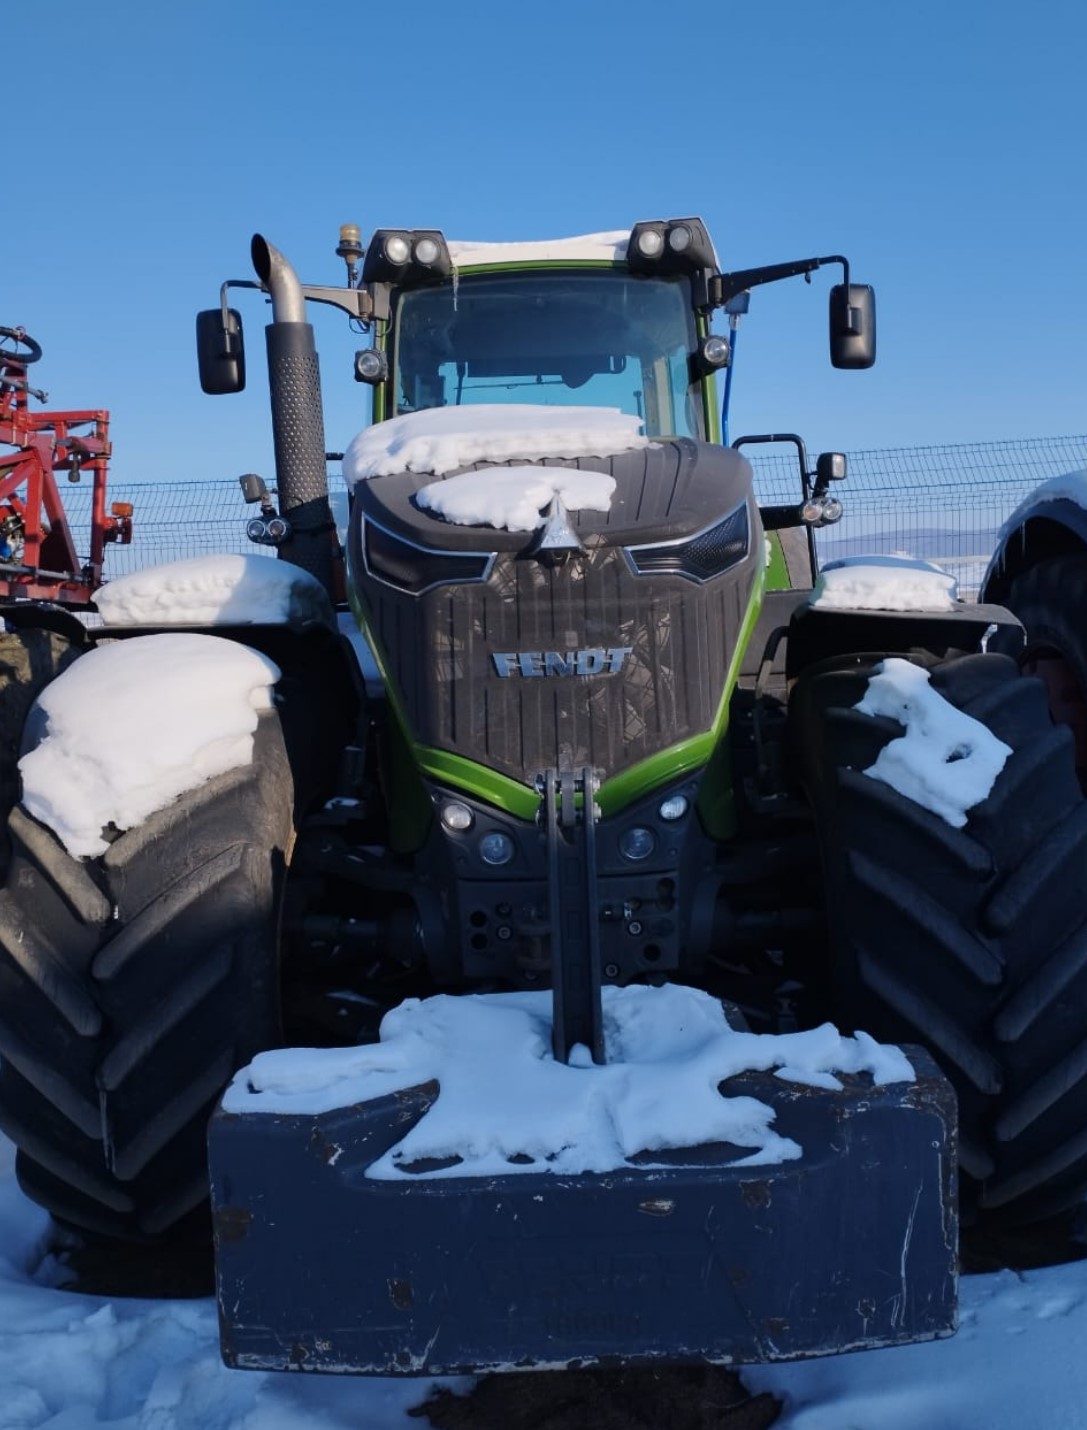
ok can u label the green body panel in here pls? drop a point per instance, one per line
(777, 573)
(486, 784)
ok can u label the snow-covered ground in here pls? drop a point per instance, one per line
(70, 1362)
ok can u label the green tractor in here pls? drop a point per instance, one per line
(562, 710)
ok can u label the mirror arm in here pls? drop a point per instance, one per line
(224, 304)
(355, 302)
(725, 286)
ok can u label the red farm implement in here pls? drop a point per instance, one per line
(38, 559)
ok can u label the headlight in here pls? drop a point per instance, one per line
(651, 243)
(713, 352)
(407, 257)
(457, 817)
(678, 245)
(371, 366)
(397, 248)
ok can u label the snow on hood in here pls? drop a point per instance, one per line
(442, 439)
(135, 723)
(593, 247)
(515, 498)
(1072, 486)
(214, 590)
(668, 1047)
(884, 583)
(946, 761)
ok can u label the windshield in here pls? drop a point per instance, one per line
(567, 338)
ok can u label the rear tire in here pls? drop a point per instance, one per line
(1051, 601)
(971, 941)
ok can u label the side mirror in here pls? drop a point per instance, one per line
(852, 325)
(220, 350)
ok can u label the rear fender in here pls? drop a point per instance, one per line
(1043, 529)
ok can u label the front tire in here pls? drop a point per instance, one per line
(29, 660)
(132, 987)
(971, 941)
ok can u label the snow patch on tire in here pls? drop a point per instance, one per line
(136, 723)
(946, 761)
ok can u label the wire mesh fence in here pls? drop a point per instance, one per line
(945, 503)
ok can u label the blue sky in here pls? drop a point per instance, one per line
(939, 144)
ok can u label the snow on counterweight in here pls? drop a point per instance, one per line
(946, 761)
(135, 723)
(504, 1096)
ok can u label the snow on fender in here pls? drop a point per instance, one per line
(884, 583)
(223, 590)
(136, 723)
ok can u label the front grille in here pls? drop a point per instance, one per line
(664, 646)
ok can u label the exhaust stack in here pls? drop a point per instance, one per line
(298, 427)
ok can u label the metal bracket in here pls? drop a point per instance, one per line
(575, 912)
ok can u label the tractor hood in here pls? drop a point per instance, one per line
(601, 638)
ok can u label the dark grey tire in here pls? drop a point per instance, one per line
(971, 941)
(29, 660)
(131, 987)
(1051, 601)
